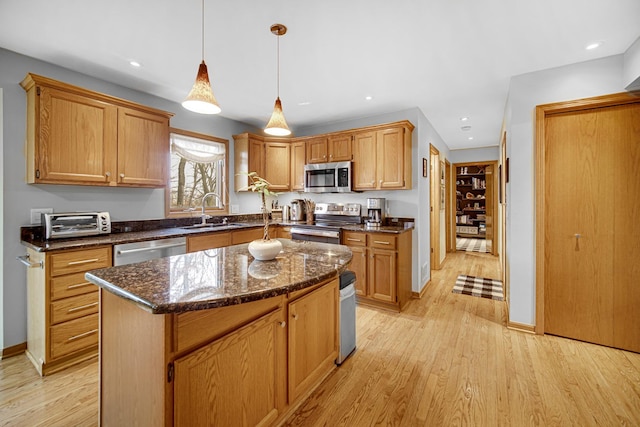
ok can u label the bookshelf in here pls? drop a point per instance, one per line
(470, 201)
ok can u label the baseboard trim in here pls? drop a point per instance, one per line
(14, 350)
(419, 295)
(521, 327)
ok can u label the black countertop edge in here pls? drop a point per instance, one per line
(176, 308)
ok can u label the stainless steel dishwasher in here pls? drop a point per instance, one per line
(130, 253)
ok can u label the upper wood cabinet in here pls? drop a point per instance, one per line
(332, 148)
(382, 158)
(269, 157)
(298, 157)
(76, 136)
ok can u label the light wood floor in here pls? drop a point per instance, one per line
(448, 359)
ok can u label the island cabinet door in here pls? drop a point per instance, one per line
(237, 380)
(313, 336)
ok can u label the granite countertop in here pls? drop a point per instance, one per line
(221, 277)
(169, 230)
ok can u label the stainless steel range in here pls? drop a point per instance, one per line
(329, 218)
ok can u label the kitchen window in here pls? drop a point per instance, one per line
(198, 166)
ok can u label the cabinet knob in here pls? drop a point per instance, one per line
(373, 182)
(108, 174)
(380, 182)
(121, 175)
(295, 316)
(282, 324)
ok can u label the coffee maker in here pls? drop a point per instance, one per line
(375, 212)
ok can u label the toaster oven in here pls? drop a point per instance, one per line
(75, 224)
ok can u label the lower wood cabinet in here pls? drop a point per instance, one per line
(382, 263)
(62, 321)
(221, 239)
(248, 364)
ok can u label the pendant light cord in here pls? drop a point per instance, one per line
(202, 30)
(278, 50)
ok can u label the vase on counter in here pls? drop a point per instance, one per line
(265, 250)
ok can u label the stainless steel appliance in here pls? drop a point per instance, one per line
(375, 212)
(297, 210)
(75, 224)
(347, 311)
(327, 177)
(329, 218)
(130, 253)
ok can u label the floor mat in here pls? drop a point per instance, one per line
(473, 245)
(479, 287)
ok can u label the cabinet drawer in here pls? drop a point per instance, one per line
(383, 241)
(74, 335)
(77, 261)
(70, 285)
(208, 241)
(246, 236)
(352, 238)
(74, 307)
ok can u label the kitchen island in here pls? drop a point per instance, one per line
(215, 337)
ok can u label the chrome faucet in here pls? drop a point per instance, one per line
(204, 216)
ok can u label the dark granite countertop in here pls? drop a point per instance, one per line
(221, 277)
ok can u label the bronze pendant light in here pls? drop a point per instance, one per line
(201, 99)
(277, 125)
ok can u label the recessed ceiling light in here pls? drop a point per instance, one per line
(466, 128)
(470, 138)
(135, 64)
(368, 98)
(304, 103)
(593, 45)
(464, 119)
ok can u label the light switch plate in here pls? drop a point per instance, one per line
(35, 214)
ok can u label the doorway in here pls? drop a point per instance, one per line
(587, 154)
(476, 207)
(434, 208)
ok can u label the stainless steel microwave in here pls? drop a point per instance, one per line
(327, 177)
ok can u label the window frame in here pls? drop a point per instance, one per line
(174, 213)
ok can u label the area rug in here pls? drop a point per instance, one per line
(479, 287)
(473, 245)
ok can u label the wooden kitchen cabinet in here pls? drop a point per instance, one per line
(331, 148)
(208, 241)
(76, 136)
(246, 235)
(277, 154)
(382, 157)
(241, 370)
(298, 158)
(313, 338)
(62, 321)
(269, 157)
(382, 263)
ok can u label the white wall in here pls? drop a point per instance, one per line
(583, 80)
(631, 70)
(1, 222)
(476, 154)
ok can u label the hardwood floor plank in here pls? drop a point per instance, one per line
(448, 359)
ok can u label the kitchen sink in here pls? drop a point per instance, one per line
(211, 226)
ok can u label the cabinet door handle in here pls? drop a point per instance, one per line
(282, 324)
(351, 239)
(77, 337)
(121, 175)
(82, 307)
(79, 285)
(84, 261)
(108, 174)
(381, 243)
(295, 316)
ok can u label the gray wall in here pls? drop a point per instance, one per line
(123, 203)
(583, 80)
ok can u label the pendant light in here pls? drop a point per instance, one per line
(201, 99)
(277, 125)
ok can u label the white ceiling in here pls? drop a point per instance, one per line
(450, 58)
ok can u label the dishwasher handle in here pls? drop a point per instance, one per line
(151, 248)
(31, 264)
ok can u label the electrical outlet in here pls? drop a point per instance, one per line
(35, 214)
(235, 209)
